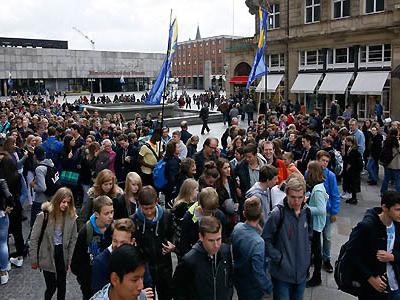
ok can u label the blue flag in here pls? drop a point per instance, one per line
(10, 81)
(157, 90)
(259, 68)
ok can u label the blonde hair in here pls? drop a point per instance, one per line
(187, 188)
(132, 177)
(106, 176)
(54, 207)
(295, 183)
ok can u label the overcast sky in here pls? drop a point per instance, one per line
(122, 25)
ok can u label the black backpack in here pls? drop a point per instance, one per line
(346, 275)
(52, 180)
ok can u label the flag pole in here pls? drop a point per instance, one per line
(165, 79)
(266, 70)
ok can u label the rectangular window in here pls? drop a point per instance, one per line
(274, 15)
(341, 56)
(275, 60)
(312, 11)
(387, 52)
(363, 54)
(329, 55)
(341, 8)
(311, 57)
(373, 6)
(375, 53)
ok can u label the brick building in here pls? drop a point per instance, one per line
(201, 63)
(320, 50)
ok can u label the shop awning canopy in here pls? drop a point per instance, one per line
(239, 80)
(273, 81)
(306, 83)
(369, 83)
(335, 83)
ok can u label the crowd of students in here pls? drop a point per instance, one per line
(251, 209)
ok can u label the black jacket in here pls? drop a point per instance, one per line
(306, 158)
(185, 136)
(242, 172)
(6, 199)
(201, 277)
(375, 146)
(122, 167)
(366, 239)
(200, 161)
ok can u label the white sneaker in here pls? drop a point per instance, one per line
(343, 195)
(4, 278)
(16, 261)
(347, 196)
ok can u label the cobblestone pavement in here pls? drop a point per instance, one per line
(26, 283)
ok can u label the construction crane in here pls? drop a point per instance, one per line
(85, 36)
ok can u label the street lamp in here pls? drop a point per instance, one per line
(38, 82)
(91, 80)
(226, 66)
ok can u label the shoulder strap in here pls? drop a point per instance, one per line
(42, 230)
(151, 149)
(89, 233)
(280, 223)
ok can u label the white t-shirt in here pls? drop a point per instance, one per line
(390, 231)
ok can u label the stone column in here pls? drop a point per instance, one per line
(100, 86)
(395, 82)
(5, 88)
(207, 74)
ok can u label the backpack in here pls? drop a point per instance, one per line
(345, 273)
(159, 178)
(386, 156)
(338, 167)
(52, 180)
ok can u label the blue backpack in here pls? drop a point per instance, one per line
(159, 178)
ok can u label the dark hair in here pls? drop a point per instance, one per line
(186, 165)
(75, 126)
(170, 148)
(315, 174)
(209, 224)
(51, 131)
(390, 198)
(66, 143)
(40, 153)
(125, 259)
(210, 169)
(322, 153)
(252, 208)
(239, 150)
(124, 224)
(207, 142)
(122, 137)
(250, 148)
(147, 195)
(309, 138)
(267, 172)
(391, 139)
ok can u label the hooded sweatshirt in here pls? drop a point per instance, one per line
(264, 196)
(40, 180)
(151, 234)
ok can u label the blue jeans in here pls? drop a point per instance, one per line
(288, 291)
(326, 240)
(394, 295)
(24, 190)
(4, 223)
(373, 169)
(389, 175)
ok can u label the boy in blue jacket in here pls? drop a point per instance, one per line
(332, 208)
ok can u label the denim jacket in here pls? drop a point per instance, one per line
(250, 266)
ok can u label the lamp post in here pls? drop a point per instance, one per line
(226, 66)
(91, 80)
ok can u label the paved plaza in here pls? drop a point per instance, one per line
(26, 283)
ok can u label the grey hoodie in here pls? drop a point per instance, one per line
(263, 195)
(40, 180)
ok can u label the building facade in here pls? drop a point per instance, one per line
(320, 50)
(201, 63)
(37, 65)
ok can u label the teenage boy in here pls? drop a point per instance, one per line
(207, 205)
(287, 234)
(153, 235)
(93, 238)
(267, 179)
(205, 272)
(251, 280)
(332, 208)
(123, 232)
(375, 250)
(126, 276)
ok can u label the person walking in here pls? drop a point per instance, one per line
(204, 114)
(53, 239)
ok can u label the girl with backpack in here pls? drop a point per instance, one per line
(315, 178)
(53, 241)
(186, 197)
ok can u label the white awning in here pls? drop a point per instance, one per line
(335, 83)
(273, 81)
(369, 83)
(306, 83)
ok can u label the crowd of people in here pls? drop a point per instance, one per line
(252, 210)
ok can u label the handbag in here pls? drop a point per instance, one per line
(69, 178)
